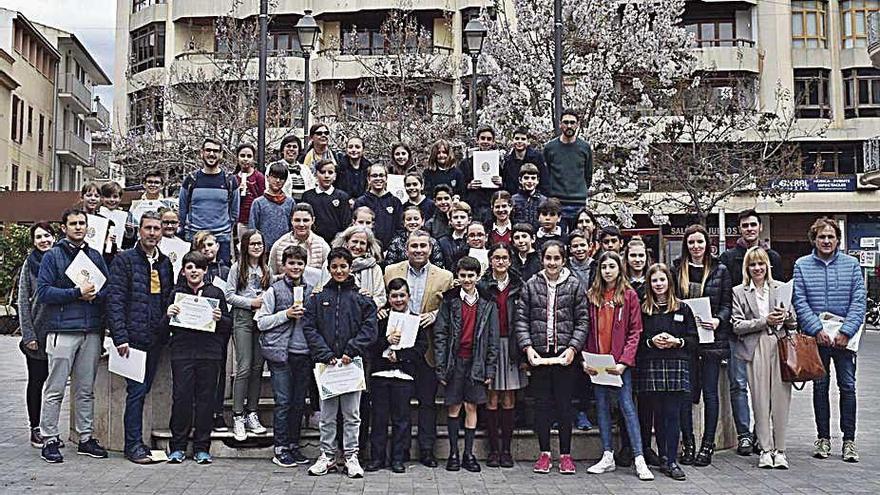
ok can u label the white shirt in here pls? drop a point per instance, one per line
(469, 299)
(328, 192)
(762, 296)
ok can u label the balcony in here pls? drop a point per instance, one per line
(73, 92)
(156, 12)
(874, 38)
(99, 119)
(73, 149)
(739, 55)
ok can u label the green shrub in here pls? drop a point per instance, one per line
(15, 244)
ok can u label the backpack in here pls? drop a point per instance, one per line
(230, 183)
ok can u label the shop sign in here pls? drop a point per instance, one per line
(817, 184)
(868, 259)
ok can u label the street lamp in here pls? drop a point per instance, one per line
(307, 31)
(474, 34)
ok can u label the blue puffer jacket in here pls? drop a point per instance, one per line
(65, 311)
(130, 315)
(339, 320)
(835, 286)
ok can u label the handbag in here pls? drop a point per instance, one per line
(799, 359)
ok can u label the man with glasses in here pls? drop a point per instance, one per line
(386, 206)
(569, 159)
(210, 200)
(520, 154)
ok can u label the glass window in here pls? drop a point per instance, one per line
(811, 93)
(148, 47)
(861, 93)
(853, 15)
(808, 24)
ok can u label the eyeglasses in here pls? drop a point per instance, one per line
(322, 133)
(153, 182)
(212, 150)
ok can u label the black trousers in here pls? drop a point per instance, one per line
(665, 407)
(220, 387)
(552, 387)
(426, 392)
(37, 372)
(390, 400)
(194, 383)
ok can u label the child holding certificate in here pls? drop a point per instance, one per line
(466, 350)
(339, 325)
(195, 358)
(617, 325)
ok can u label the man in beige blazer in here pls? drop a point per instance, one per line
(427, 283)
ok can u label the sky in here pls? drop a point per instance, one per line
(92, 21)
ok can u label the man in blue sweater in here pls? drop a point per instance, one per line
(828, 281)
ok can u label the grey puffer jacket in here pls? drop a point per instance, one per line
(571, 312)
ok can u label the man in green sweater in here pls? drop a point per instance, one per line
(569, 159)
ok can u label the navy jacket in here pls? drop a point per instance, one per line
(389, 215)
(511, 166)
(339, 320)
(132, 316)
(406, 358)
(196, 344)
(65, 311)
(352, 181)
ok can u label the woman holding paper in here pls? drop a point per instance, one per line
(617, 325)
(365, 269)
(760, 319)
(699, 274)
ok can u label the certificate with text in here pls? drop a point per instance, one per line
(338, 379)
(196, 313)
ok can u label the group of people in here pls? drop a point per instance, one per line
(510, 285)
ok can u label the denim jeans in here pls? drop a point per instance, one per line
(845, 370)
(739, 393)
(289, 385)
(707, 369)
(349, 404)
(627, 409)
(136, 394)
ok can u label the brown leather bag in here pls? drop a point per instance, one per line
(799, 359)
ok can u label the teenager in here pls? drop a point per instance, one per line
(271, 212)
(520, 155)
(438, 225)
(332, 206)
(363, 216)
(353, 166)
(170, 224)
(585, 221)
(414, 184)
(251, 183)
(367, 265)
(302, 222)
(387, 207)
(90, 198)
(206, 243)
(527, 199)
(582, 266)
(550, 228)
(412, 221)
(500, 228)
(637, 260)
(441, 169)
(477, 194)
(526, 262)
(401, 161)
(455, 243)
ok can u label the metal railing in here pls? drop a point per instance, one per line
(74, 144)
(873, 32)
(71, 85)
(101, 113)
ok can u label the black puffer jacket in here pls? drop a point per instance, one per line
(719, 290)
(571, 311)
(339, 320)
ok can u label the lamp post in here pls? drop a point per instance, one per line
(474, 34)
(263, 96)
(307, 31)
(557, 64)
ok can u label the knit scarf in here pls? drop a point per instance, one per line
(33, 261)
(278, 199)
(361, 267)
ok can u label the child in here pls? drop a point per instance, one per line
(441, 169)
(90, 195)
(500, 229)
(438, 225)
(331, 205)
(111, 197)
(415, 190)
(526, 262)
(392, 384)
(583, 267)
(454, 243)
(363, 216)
(617, 325)
(528, 199)
(271, 212)
(387, 207)
(251, 183)
(339, 325)
(549, 213)
(195, 365)
(353, 168)
(412, 221)
(466, 349)
(247, 280)
(283, 344)
(610, 239)
(585, 221)
(170, 223)
(637, 262)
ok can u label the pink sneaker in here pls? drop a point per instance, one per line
(566, 465)
(543, 464)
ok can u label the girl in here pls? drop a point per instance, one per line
(415, 190)
(353, 168)
(501, 229)
(502, 286)
(33, 332)
(401, 160)
(245, 284)
(617, 325)
(552, 319)
(366, 268)
(699, 274)
(252, 183)
(441, 169)
(331, 205)
(668, 341)
(412, 221)
(170, 222)
(302, 221)
(637, 261)
(585, 221)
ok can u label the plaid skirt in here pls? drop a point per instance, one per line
(663, 375)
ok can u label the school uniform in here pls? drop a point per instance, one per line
(332, 211)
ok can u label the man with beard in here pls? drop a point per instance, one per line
(569, 158)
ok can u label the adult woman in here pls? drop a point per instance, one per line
(668, 341)
(319, 146)
(441, 169)
(760, 319)
(247, 280)
(412, 221)
(502, 286)
(401, 160)
(637, 262)
(33, 333)
(552, 322)
(365, 268)
(699, 274)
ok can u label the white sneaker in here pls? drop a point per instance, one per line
(642, 470)
(605, 464)
(353, 467)
(321, 466)
(779, 460)
(238, 428)
(766, 460)
(252, 422)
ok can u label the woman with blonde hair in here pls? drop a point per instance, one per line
(365, 269)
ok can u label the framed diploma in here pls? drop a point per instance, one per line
(486, 166)
(339, 379)
(196, 313)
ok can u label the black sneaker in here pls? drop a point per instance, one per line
(745, 446)
(675, 472)
(50, 452)
(298, 456)
(92, 448)
(220, 423)
(36, 438)
(284, 459)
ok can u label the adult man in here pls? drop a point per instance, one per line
(476, 195)
(427, 283)
(569, 158)
(210, 200)
(138, 294)
(520, 154)
(828, 281)
(386, 206)
(75, 323)
(749, 231)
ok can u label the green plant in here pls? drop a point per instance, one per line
(15, 243)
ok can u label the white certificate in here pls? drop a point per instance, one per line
(406, 325)
(783, 294)
(486, 166)
(175, 248)
(831, 324)
(702, 309)
(397, 188)
(134, 366)
(119, 219)
(481, 255)
(139, 207)
(602, 362)
(548, 361)
(96, 233)
(298, 295)
(196, 312)
(82, 270)
(338, 379)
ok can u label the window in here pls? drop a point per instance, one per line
(41, 135)
(39, 57)
(146, 110)
(854, 20)
(808, 23)
(811, 93)
(284, 44)
(357, 105)
(367, 36)
(829, 158)
(861, 93)
(139, 5)
(715, 32)
(13, 182)
(14, 128)
(27, 180)
(39, 183)
(148, 47)
(30, 120)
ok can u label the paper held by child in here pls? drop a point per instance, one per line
(406, 325)
(702, 309)
(602, 362)
(338, 379)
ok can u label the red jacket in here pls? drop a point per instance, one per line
(624, 333)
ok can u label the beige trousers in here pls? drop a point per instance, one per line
(771, 397)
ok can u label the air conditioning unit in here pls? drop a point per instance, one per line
(868, 182)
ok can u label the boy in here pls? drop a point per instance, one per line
(330, 204)
(387, 207)
(455, 243)
(519, 156)
(271, 212)
(339, 325)
(528, 199)
(466, 346)
(526, 262)
(111, 197)
(195, 364)
(438, 224)
(610, 239)
(549, 214)
(476, 195)
(364, 216)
